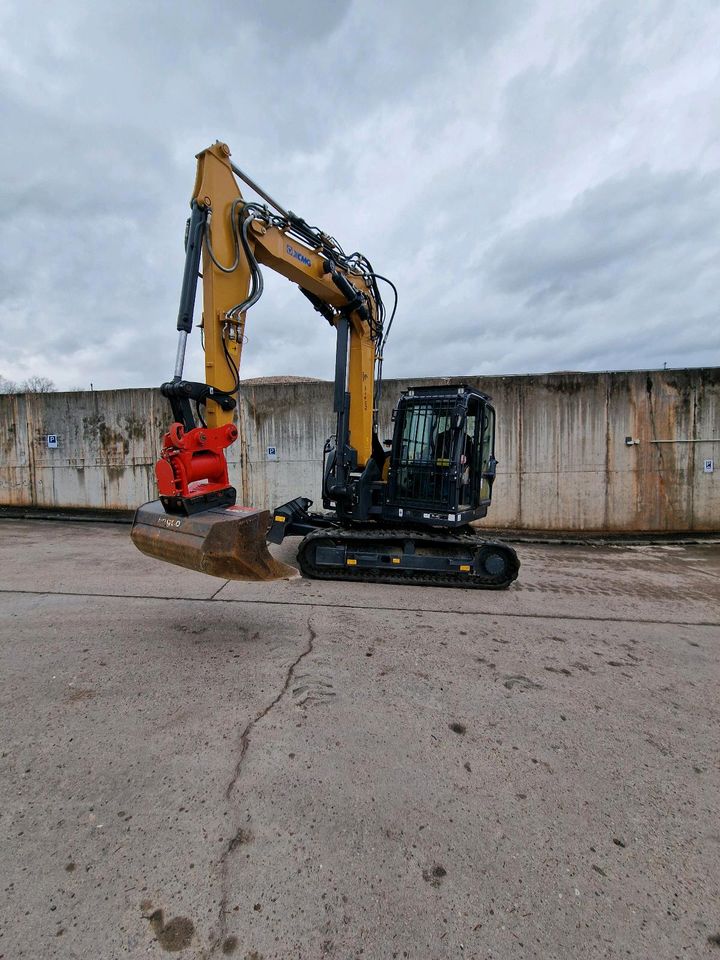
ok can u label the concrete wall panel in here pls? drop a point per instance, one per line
(16, 477)
(564, 463)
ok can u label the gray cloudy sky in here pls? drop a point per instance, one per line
(541, 179)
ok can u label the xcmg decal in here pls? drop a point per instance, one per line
(297, 255)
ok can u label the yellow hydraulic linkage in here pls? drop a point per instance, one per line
(196, 522)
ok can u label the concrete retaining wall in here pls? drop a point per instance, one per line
(564, 464)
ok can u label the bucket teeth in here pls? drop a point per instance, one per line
(227, 542)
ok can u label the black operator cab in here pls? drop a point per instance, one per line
(442, 464)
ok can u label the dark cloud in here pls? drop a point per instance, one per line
(611, 235)
(539, 178)
(628, 270)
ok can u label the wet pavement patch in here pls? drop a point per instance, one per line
(521, 682)
(173, 936)
(77, 696)
(242, 836)
(435, 876)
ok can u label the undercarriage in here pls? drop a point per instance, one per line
(423, 557)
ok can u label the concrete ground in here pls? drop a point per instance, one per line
(310, 770)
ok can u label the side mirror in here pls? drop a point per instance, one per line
(489, 474)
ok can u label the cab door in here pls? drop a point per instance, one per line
(485, 460)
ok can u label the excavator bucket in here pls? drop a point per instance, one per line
(227, 542)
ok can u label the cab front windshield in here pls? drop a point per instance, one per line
(435, 438)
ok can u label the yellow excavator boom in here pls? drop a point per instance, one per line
(226, 271)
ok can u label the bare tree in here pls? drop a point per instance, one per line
(38, 385)
(31, 385)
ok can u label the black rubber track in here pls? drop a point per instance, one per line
(366, 539)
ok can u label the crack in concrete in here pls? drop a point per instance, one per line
(219, 589)
(245, 736)
(240, 835)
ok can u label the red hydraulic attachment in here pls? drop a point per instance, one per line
(196, 523)
(193, 464)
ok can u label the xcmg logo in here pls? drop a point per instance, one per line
(297, 255)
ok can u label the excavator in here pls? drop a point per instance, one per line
(399, 515)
